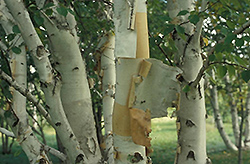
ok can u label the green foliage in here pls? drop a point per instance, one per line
(245, 75)
(186, 88)
(16, 50)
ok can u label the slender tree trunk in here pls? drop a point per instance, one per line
(217, 118)
(18, 122)
(234, 113)
(191, 116)
(105, 55)
(247, 122)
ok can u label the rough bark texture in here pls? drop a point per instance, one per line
(191, 124)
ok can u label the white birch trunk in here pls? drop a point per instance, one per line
(247, 122)
(191, 124)
(25, 137)
(107, 72)
(131, 42)
(50, 84)
(75, 93)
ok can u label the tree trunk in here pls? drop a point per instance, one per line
(217, 118)
(75, 93)
(191, 117)
(247, 123)
(51, 85)
(105, 55)
(234, 112)
(19, 122)
(131, 42)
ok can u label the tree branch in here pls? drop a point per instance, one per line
(27, 94)
(164, 53)
(206, 63)
(7, 132)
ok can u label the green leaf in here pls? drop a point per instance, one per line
(183, 12)
(186, 88)
(240, 60)
(229, 38)
(231, 70)
(62, 11)
(48, 5)
(16, 50)
(245, 75)
(194, 18)
(230, 24)
(38, 19)
(211, 57)
(221, 70)
(10, 37)
(16, 29)
(49, 12)
(169, 29)
(239, 42)
(7, 114)
(180, 29)
(219, 47)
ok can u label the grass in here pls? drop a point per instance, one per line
(163, 143)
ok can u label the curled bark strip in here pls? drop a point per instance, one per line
(141, 126)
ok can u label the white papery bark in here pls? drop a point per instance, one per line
(19, 125)
(191, 124)
(50, 85)
(75, 93)
(105, 50)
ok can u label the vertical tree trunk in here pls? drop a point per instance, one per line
(19, 124)
(191, 124)
(131, 42)
(51, 85)
(105, 52)
(217, 118)
(234, 112)
(247, 123)
(75, 93)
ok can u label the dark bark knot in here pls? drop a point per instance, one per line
(42, 161)
(191, 155)
(137, 157)
(75, 69)
(79, 158)
(71, 135)
(190, 123)
(58, 123)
